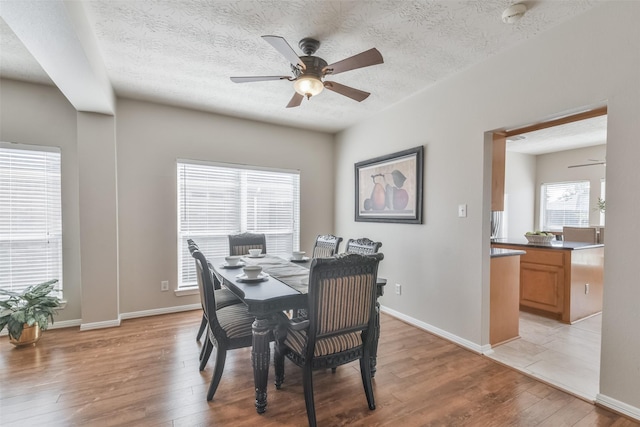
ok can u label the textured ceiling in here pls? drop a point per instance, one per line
(584, 133)
(183, 52)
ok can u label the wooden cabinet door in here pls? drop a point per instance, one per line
(542, 286)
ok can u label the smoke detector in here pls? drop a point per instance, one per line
(513, 13)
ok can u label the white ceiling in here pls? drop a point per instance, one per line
(182, 52)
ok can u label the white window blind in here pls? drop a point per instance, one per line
(30, 217)
(217, 200)
(565, 204)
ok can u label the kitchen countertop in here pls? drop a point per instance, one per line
(554, 244)
(499, 252)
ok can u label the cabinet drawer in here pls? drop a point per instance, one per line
(547, 257)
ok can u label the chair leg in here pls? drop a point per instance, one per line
(205, 353)
(221, 356)
(203, 325)
(365, 373)
(307, 382)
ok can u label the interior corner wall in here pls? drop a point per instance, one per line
(442, 263)
(98, 219)
(40, 115)
(151, 137)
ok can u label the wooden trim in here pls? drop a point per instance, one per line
(497, 172)
(555, 122)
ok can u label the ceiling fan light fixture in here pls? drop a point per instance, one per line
(308, 85)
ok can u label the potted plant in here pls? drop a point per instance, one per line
(28, 312)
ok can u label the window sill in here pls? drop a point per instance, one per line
(183, 292)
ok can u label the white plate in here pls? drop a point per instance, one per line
(303, 259)
(243, 278)
(238, 265)
(256, 256)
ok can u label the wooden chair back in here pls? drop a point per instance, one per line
(239, 244)
(326, 246)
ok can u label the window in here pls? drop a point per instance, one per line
(565, 204)
(601, 201)
(217, 200)
(30, 216)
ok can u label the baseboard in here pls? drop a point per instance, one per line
(66, 324)
(57, 325)
(100, 325)
(618, 407)
(480, 349)
(116, 322)
(157, 311)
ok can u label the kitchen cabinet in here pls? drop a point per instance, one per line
(563, 280)
(505, 288)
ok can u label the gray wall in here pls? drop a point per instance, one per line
(119, 190)
(525, 173)
(520, 194)
(553, 167)
(150, 139)
(443, 264)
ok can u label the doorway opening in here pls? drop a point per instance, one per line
(567, 154)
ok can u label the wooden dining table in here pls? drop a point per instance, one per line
(284, 288)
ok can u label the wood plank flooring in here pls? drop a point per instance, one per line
(145, 373)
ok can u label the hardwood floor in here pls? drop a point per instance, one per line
(145, 373)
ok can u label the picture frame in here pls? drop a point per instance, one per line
(389, 188)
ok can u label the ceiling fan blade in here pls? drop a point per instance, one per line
(296, 100)
(588, 164)
(281, 45)
(347, 91)
(364, 59)
(257, 79)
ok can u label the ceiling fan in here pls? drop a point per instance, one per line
(308, 72)
(594, 162)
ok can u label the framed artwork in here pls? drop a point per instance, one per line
(389, 188)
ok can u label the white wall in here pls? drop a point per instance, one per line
(520, 191)
(444, 263)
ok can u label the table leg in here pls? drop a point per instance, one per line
(260, 357)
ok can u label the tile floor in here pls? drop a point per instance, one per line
(567, 356)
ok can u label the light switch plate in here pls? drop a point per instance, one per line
(462, 211)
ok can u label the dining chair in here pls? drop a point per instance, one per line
(362, 246)
(239, 244)
(579, 234)
(340, 323)
(224, 297)
(229, 327)
(326, 246)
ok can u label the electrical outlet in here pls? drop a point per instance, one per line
(398, 289)
(164, 285)
(586, 288)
